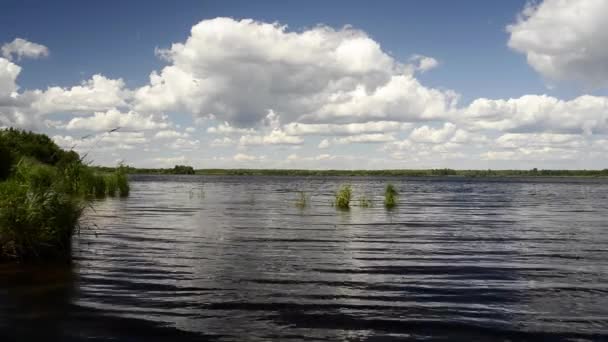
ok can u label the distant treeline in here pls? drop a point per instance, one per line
(176, 170)
(181, 169)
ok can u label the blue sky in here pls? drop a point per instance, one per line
(117, 38)
(475, 55)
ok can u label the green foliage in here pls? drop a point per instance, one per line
(37, 146)
(99, 185)
(343, 197)
(42, 192)
(35, 221)
(182, 170)
(111, 185)
(390, 196)
(122, 181)
(37, 176)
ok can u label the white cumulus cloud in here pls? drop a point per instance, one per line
(22, 48)
(564, 39)
(113, 118)
(239, 70)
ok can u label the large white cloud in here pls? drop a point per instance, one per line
(426, 134)
(113, 118)
(540, 113)
(564, 39)
(101, 142)
(27, 109)
(239, 70)
(22, 48)
(371, 138)
(96, 94)
(296, 128)
(8, 76)
(275, 137)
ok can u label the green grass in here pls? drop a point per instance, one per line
(343, 197)
(99, 185)
(36, 221)
(111, 185)
(390, 196)
(123, 182)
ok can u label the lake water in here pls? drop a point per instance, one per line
(234, 259)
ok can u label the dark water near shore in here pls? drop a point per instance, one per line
(233, 259)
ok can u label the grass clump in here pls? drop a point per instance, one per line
(117, 183)
(123, 182)
(343, 197)
(36, 221)
(390, 196)
(111, 185)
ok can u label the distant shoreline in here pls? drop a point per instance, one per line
(380, 173)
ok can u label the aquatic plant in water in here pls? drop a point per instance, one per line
(302, 200)
(343, 197)
(36, 221)
(365, 202)
(390, 196)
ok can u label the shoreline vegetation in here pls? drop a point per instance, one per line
(179, 169)
(43, 192)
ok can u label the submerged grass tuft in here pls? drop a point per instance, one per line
(365, 202)
(302, 200)
(390, 196)
(343, 197)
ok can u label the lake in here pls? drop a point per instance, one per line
(188, 258)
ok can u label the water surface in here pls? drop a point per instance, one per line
(234, 259)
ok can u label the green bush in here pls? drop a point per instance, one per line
(343, 197)
(182, 170)
(390, 196)
(33, 145)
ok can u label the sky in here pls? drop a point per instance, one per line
(312, 84)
